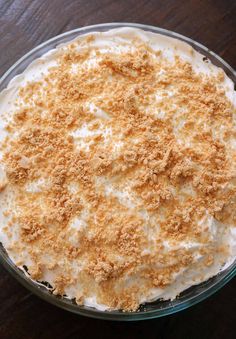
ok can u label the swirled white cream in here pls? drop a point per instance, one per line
(118, 41)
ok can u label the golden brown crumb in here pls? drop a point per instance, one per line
(3, 185)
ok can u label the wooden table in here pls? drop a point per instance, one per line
(23, 25)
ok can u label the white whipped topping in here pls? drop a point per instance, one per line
(113, 41)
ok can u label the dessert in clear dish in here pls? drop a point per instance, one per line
(117, 171)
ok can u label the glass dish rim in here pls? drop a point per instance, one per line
(66, 303)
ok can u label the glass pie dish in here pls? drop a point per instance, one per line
(157, 308)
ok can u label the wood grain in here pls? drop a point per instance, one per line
(23, 25)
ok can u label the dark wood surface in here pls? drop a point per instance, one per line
(23, 25)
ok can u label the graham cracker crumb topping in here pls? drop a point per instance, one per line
(125, 152)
